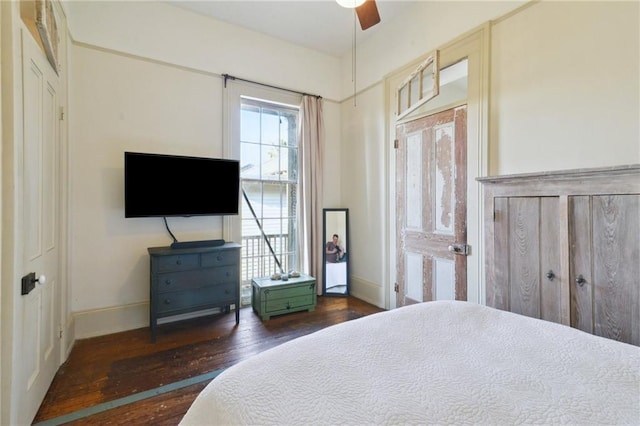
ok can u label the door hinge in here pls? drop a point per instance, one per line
(396, 144)
(61, 113)
(396, 288)
(60, 332)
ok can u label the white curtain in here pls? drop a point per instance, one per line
(311, 146)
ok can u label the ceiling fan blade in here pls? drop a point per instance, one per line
(368, 14)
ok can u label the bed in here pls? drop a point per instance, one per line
(444, 362)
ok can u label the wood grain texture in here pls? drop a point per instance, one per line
(589, 236)
(105, 368)
(616, 266)
(460, 210)
(551, 277)
(524, 256)
(438, 152)
(580, 258)
(498, 288)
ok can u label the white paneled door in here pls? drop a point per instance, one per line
(37, 316)
(431, 208)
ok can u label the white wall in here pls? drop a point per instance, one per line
(368, 181)
(131, 74)
(565, 87)
(564, 94)
(152, 29)
(422, 27)
(126, 104)
(146, 77)
(364, 190)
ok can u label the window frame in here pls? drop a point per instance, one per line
(233, 92)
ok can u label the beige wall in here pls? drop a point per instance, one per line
(368, 129)
(565, 87)
(119, 104)
(564, 94)
(363, 188)
(420, 28)
(159, 31)
(138, 89)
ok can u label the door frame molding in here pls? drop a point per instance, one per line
(474, 45)
(11, 270)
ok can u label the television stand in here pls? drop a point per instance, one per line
(197, 244)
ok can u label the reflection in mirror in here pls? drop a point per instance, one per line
(336, 251)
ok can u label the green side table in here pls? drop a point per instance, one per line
(275, 297)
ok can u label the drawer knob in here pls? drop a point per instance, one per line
(167, 282)
(580, 280)
(178, 262)
(550, 275)
(219, 258)
(167, 301)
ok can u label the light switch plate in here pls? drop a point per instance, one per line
(28, 283)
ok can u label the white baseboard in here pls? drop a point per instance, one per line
(98, 322)
(69, 337)
(367, 290)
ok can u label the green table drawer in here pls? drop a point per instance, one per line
(290, 304)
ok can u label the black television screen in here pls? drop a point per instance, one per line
(172, 185)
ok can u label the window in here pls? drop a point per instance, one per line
(421, 86)
(269, 179)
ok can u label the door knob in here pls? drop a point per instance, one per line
(458, 248)
(41, 279)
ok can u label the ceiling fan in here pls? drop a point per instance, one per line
(366, 10)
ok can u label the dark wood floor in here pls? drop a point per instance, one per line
(106, 368)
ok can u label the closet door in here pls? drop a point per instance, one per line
(527, 277)
(604, 234)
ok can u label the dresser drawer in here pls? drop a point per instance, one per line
(175, 302)
(219, 258)
(178, 262)
(176, 281)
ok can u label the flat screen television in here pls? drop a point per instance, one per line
(157, 185)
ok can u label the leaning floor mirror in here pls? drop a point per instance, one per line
(336, 252)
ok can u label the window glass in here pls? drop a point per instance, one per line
(269, 164)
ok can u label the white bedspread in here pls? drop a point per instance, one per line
(437, 362)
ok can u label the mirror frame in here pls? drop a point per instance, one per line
(324, 252)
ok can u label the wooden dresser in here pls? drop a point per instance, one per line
(565, 247)
(193, 279)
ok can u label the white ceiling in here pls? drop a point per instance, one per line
(321, 25)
